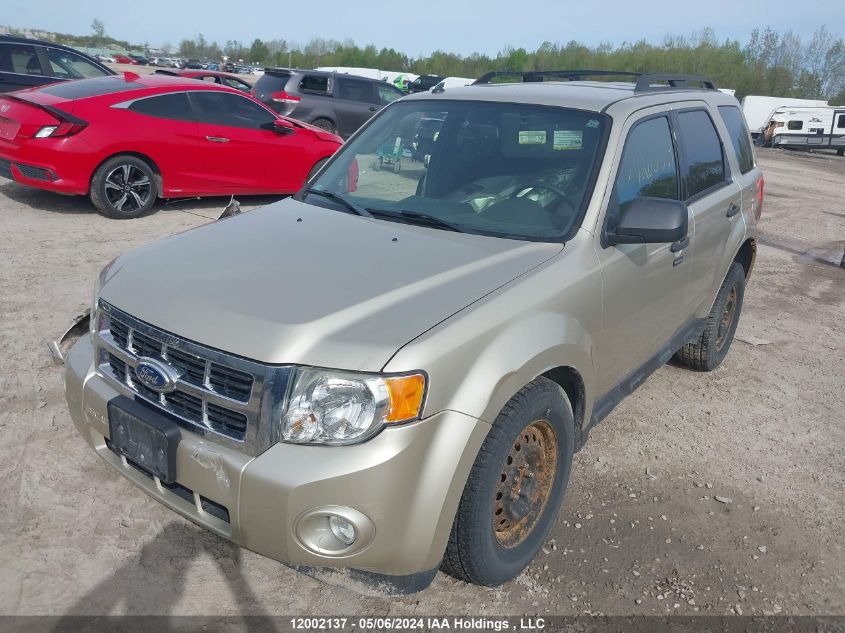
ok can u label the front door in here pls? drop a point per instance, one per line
(646, 296)
(241, 152)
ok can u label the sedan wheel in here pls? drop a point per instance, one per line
(123, 187)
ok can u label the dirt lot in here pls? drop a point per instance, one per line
(641, 530)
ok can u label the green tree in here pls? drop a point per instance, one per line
(259, 52)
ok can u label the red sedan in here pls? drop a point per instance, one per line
(126, 140)
(123, 59)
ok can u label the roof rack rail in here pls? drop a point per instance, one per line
(645, 82)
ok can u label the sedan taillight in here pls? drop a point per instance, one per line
(64, 128)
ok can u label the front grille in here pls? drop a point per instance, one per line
(215, 392)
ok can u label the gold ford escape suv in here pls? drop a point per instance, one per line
(391, 371)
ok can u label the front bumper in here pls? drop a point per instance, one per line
(406, 481)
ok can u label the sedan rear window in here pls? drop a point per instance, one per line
(503, 169)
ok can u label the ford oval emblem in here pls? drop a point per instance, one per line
(156, 375)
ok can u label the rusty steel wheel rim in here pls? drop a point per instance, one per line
(525, 484)
(727, 319)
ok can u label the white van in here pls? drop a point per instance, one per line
(758, 111)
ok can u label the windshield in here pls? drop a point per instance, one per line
(503, 169)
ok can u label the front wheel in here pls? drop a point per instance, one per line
(123, 188)
(708, 352)
(515, 487)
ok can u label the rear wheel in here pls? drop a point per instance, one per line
(123, 187)
(708, 352)
(324, 124)
(515, 487)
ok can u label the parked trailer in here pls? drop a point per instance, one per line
(808, 128)
(758, 111)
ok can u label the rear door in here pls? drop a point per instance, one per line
(837, 130)
(240, 150)
(712, 196)
(355, 101)
(21, 67)
(743, 162)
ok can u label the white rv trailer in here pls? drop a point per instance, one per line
(758, 111)
(808, 128)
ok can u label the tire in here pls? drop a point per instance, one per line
(114, 197)
(840, 152)
(324, 124)
(710, 350)
(317, 167)
(397, 167)
(486, 554)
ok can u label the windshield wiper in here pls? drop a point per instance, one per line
(419, 218)
(340, 200)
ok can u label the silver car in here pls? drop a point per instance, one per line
(391, 371)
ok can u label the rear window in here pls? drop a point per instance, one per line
(268, 84)
(735, 123)
(703, 159)
(90, 87)
(314, 83)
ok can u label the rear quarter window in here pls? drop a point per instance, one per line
(702, 150)
(314, 83)
(169, 106)
(740, 139)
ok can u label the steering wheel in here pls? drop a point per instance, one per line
(562, 196)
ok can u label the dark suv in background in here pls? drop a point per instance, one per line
(335, 102)
(25, 63)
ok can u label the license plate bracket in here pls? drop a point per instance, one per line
(146, 438)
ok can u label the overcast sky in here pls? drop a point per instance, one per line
(423, 26)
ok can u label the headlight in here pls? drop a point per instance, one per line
(334, 407)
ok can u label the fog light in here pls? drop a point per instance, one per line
(342, 529)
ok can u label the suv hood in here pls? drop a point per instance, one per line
(298, 284)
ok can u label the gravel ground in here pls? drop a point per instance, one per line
(702, 493)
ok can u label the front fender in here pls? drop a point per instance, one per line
(479, 358)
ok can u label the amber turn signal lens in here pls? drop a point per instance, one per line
(406, 395)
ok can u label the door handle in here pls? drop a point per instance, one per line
(217, 139)
(732, 210)
(679, 245)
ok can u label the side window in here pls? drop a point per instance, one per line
(69, 65)
(648, 167)
(19, 58)
(314, 83)
(354, 90)
(735, 123)
(169, 106)
(795, 125)
(209, 79)
(840, 122)
(237, 84)
(223, 108)
(703, 159)
(386, 94)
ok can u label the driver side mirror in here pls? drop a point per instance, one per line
(279, 126)
(649, 221)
